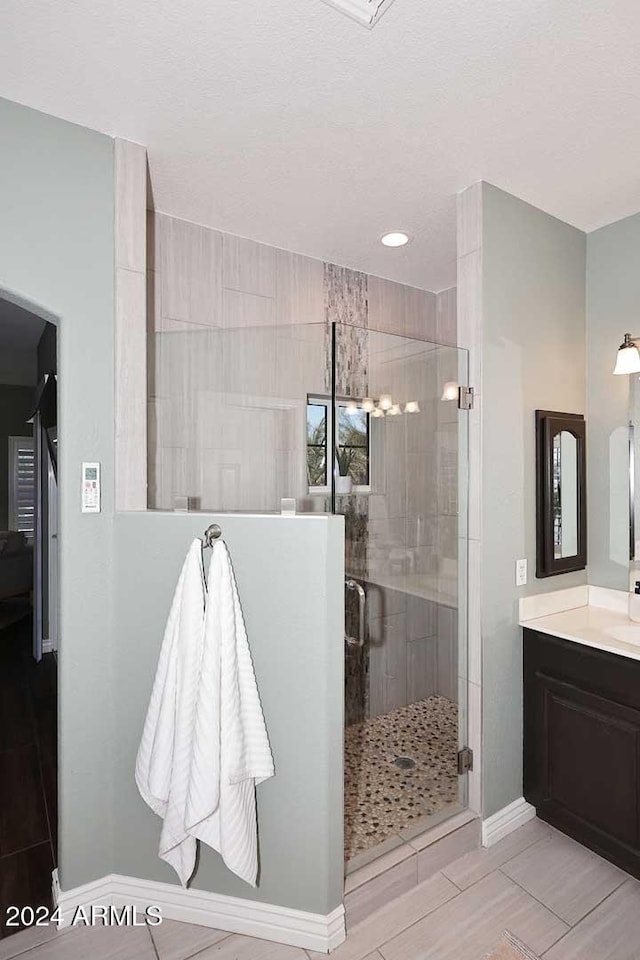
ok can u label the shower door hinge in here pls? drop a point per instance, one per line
(465, 760)
(465, 398)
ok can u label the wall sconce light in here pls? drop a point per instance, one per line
(352, 408)
(450, 391)
(386, 406)
(628, 359)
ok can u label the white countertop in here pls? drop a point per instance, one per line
(593, 624)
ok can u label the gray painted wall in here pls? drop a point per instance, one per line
(290, 575)
(56, 258)
(533, 357)
(118, 572)
(15, 407)
(613, 309)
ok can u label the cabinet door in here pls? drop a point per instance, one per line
(589, 762)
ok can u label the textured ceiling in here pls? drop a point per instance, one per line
(289, 123)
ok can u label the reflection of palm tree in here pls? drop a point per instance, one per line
(316, 454)
(345, 457)
(351, 454)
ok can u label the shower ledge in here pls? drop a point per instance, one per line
(439, 588)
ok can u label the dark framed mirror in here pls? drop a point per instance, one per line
(561, 495)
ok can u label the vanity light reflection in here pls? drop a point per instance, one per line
(384, 407)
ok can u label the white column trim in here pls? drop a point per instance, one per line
(469, 300)
(297, 928)
(130, 236)
(505, 821)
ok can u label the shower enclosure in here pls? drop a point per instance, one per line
(345, 419)
(397, 442)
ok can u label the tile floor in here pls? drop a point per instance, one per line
(563, 901)
(381, 797)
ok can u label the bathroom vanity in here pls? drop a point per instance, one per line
(582, 721)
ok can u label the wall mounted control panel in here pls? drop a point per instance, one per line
(91, 488)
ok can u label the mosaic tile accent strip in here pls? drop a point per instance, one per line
(356, 524)
(346, 301)
(399, 768)
(355, 510)
(345, 295)
(356, 673)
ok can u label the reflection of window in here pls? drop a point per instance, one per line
(557, 497)
(353, 444)
(21, 485)
(352, 447)
(317, 444)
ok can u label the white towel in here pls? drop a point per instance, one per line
(164, 755)
(204, 746)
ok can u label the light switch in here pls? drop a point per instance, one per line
(521, 573)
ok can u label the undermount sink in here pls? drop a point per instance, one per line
(628, 632)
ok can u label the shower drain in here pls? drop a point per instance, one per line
(405, 763)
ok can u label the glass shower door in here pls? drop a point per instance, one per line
(398, 442)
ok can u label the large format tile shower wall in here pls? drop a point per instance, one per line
(238, 337)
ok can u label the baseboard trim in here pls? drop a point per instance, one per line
(505, 821)
(296, 928)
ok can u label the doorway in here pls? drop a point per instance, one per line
(29, 639)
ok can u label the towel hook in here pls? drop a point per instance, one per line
(212, 533)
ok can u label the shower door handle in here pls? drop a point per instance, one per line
(362, 601)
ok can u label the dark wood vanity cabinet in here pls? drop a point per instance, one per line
(582, 744)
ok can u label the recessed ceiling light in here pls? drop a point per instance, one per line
(394, 239)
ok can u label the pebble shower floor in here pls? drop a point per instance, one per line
(399, 767)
